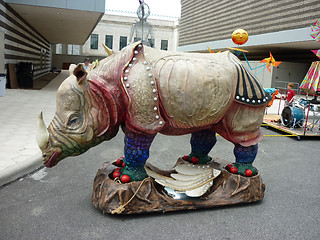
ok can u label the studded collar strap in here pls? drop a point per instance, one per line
(140, 86)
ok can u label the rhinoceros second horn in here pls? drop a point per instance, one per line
(42, 134)
(108, 50)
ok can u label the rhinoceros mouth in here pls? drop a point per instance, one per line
(52, 161)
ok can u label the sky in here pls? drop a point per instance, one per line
(169, 8)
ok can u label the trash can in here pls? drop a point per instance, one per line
(2, 84)
(25, 74)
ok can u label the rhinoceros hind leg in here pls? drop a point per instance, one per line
(244, 159)
(136, 153)
(201, 144)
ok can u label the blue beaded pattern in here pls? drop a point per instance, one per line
(136, 149)
(202, 142)
(245, 155)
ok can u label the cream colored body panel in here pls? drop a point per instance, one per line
(195, 89)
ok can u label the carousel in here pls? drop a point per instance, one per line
(301, 118)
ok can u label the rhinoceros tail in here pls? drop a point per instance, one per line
(249, 90)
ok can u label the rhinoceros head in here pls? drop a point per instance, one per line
(82, 120)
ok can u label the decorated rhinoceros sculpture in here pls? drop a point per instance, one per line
(148, 91)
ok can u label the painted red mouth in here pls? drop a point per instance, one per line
(52, 161)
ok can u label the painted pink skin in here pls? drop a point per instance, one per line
(252, 141)
(108, 103)
(53, 160)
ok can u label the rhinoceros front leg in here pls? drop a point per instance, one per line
(244, 159)
(201, 144)
(136, 152)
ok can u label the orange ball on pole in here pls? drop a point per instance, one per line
(240, 36)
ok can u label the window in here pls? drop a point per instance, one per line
(58, 48)
(164, 44)
(123, 42)
(73, 49)
(151, 42)
(109, 41)
(94, 41)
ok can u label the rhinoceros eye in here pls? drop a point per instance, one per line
(73, 120)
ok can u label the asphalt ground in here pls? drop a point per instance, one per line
(56, 203)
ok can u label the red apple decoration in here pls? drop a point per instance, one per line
(248, 173)
(116, 174)
(119, 162)
(125, 179)
(194, 160)
(229, 166)
(185, 157)
(233, 170)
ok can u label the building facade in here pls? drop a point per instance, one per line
(207, 20)
(114, 31)
(280, 27)
(20, 41)
(28, 28)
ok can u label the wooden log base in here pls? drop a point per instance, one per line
(148, 196)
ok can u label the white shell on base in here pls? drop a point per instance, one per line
(193, 180)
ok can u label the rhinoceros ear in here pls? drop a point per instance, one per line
(80, 73)
(71, 68)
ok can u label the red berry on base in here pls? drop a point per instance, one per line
(119, 162)
(194, 160)
(123, 164)
(229, 166)
(185, 157)
(117, 169)
(125, 179)
(234, 170)
(248, 173)
(116, 174)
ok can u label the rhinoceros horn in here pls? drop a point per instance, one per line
(108, 50)
(42, 134)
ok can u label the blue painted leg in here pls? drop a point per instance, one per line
(244, 159)
(136, 153)
(201, 144)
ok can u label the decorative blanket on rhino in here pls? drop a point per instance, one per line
(174, 80)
